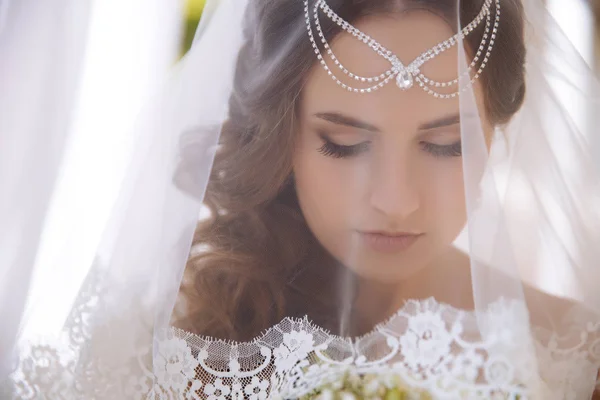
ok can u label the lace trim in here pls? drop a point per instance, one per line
(428, 345)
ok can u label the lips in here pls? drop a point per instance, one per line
(388, 242)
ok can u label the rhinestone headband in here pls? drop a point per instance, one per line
(405, 76)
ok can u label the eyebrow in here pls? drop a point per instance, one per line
(440, 122)
(345, 120)
(341, 119)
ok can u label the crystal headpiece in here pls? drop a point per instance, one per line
(405, 76)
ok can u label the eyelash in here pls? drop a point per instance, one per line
(335, 150)
(450, 150)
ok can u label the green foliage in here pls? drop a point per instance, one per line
(193, 13)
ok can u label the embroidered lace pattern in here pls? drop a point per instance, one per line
(427, 344)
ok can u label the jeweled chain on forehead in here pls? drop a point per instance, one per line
(404, 75)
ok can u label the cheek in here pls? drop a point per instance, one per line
(324, 189)
(444, 198)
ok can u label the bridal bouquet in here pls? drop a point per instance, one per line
(367, 387)
(386, 387)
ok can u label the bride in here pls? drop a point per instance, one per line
(382, 198)
(322, 197)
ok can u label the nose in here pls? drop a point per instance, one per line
(393, 190)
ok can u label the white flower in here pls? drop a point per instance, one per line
(509, 322)
(299, 341)
(257, 389)
(426, 341)
(295, 347)
(48, 371)
(325, 395)
(466, 365)
(372, 387)
(218, 391)
(174, 364)
(499, 371)
(347, 396)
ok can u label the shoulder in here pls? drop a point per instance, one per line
(550, 311)
(568, 334)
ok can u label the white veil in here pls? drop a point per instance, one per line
(30, 161)
(531, 207)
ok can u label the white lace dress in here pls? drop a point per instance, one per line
(426, 344)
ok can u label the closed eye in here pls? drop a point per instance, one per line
(449, 150)
(331, 149)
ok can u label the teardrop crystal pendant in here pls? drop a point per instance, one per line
(404, 79)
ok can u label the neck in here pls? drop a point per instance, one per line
(447, 279)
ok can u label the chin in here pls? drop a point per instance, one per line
(392, 270)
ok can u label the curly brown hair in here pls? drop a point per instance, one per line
(260, 262)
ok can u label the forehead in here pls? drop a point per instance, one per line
(407, 35)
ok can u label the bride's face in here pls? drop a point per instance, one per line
(379, 175)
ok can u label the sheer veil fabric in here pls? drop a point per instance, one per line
(340, 196)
